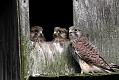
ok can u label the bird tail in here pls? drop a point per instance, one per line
(114, 66)
(108, 70)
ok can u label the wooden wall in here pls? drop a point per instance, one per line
(9, 57)
(24, 37)
(100, 19)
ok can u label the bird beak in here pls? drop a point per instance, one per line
(70, 31)
(55, 34)
(42, 35)
(41, 32)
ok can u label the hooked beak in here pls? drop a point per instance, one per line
(70, 31)
(40, 34)
(55, 34)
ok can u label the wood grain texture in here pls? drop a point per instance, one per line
(100, 19)
(24, 36)
(33, 61)
(9, 52)
(47, 60)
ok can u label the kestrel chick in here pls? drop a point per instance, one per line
(60, 39)
(60, 34)
(86, 54)
(36, 34)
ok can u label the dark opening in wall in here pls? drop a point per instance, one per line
(51, 13)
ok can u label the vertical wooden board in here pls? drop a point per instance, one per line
(24, 32)
(100, 19)
(9, 56)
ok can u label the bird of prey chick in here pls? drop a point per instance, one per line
(86, 54)
(37, 55)
(60, 35)
(36, 34)
(60, 38)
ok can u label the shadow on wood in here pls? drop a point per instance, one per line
(95, 77)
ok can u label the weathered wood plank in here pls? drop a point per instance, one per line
(100, 19)
(24, 32)
(74, 77)
(9, 51)
(46, 59)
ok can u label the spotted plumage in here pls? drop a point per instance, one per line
(86, 54)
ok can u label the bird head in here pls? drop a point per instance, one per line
(74, 32)
(36, 33)
(60, 33)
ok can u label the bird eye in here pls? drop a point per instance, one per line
(75, 30)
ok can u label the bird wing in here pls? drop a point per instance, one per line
(88, 53)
